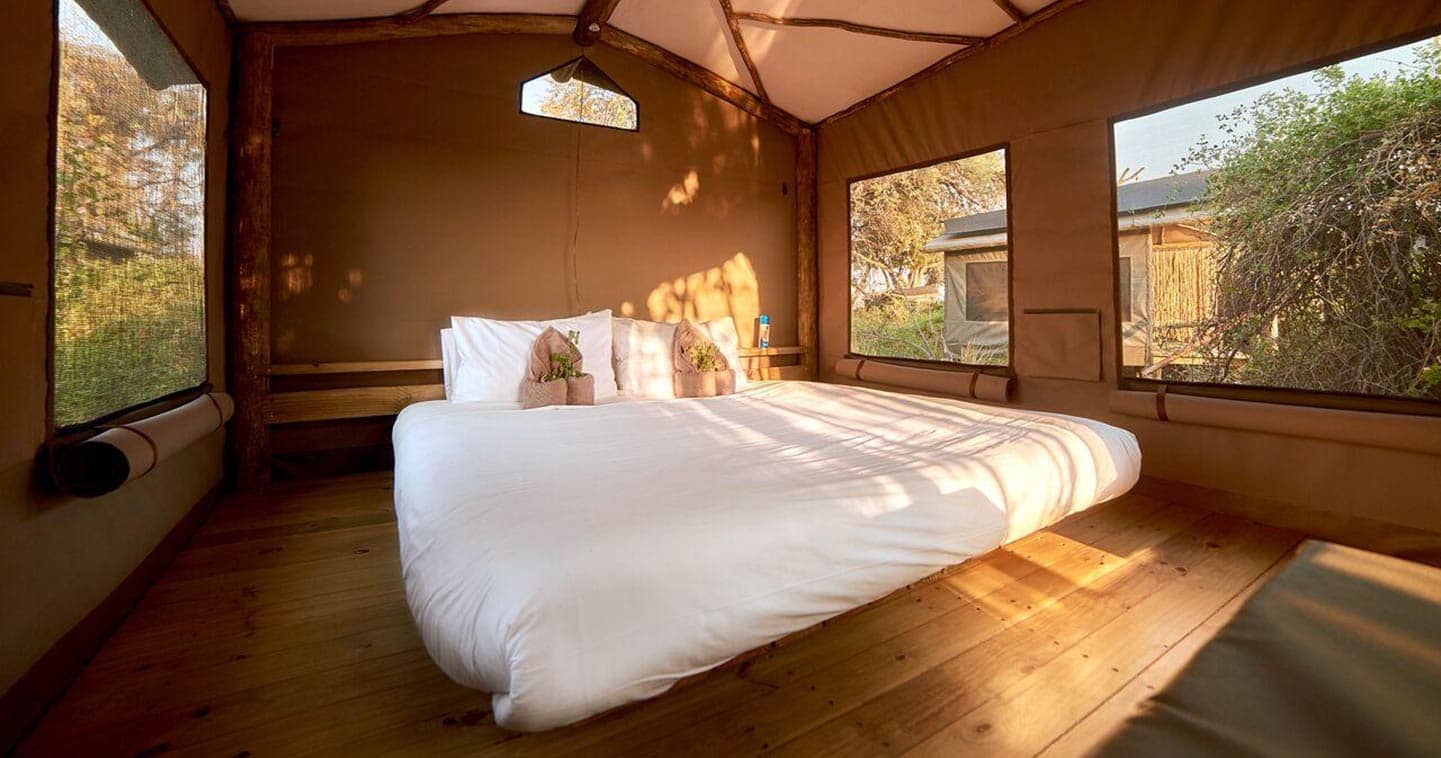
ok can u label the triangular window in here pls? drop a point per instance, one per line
(579, 91)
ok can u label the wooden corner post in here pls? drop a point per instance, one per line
(249, 264)
(807, 295)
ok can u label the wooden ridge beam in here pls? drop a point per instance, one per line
(876, 31)
(420, 11)
(591, 20)
(1017, 15)
(700, 77)
(729, 10)
(226, 12)
(378, 29)
(1048, 12)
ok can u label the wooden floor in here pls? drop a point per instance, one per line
(282, 630)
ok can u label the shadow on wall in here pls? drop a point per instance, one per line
(729, 289)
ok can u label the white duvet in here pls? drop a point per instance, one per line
(572, 559)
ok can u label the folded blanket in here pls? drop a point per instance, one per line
(548, 382)
(701, 369)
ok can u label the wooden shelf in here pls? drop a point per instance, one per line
(372, 367)
(352, 367)
(757, 352)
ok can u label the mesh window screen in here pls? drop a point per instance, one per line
(129, 213)
(987, 298)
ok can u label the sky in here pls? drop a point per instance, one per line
(1161, 140)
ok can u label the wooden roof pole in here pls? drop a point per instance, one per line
(227, 12)
(420, 11)
(1017, 15)
(591, 19)
(740, 41)
(877, 31)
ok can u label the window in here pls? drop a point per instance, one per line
(986, 291)
(928, 263)
(1291, 232)
(579, 91)
(129, 289)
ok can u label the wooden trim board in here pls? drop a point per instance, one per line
(27, 700)
(1368, 534)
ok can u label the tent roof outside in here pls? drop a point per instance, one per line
(811, 58)
(1138, 197)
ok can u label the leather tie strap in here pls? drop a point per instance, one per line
(859, 368)
(219, 414)
(975, 376)
(1161, 403)
(154, 449)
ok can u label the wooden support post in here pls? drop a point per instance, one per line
(807, 295)
(249, 263)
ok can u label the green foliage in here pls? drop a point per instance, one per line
(564, 365)
(898, 328)
(125, 332)
(704, 356)
(1327, 214)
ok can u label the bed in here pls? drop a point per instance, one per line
(573, 559)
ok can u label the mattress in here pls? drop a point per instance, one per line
(572, 559)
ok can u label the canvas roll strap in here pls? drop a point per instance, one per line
(154, 449)
(1161, 403)
(975, 375)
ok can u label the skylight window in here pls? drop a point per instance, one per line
(579, 91)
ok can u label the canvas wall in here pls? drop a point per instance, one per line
(59, 557)
(1049, 93)
(408, 187)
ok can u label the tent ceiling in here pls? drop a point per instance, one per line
(811, 71)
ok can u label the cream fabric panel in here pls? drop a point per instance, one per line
(1059, 345)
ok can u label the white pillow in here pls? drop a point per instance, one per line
(723, 333)
(644, 366)
(447, 359)
(493, 355)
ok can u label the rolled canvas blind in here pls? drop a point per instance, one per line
(1420, 434)
(989, 387)
(123, 452)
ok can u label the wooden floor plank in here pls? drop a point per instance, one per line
(283, 629)
(1093, 728)
(202, 562)
(1032, 712)
(809, 701)
(978, 576)
(900, 716)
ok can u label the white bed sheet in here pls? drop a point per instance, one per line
(572, 559)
